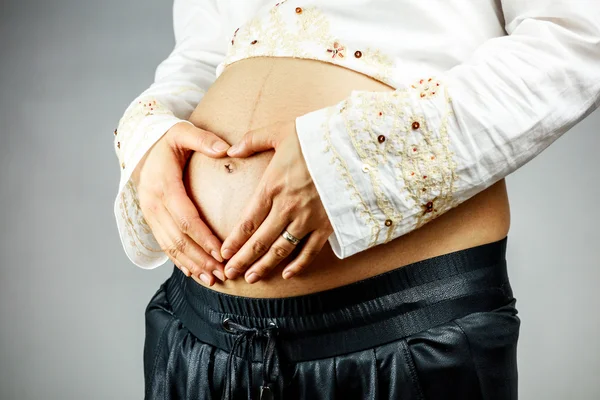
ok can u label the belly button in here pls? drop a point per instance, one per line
(229, 168)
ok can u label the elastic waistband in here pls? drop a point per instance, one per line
(356, 316)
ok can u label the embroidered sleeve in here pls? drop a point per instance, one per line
(385, 163)
(180, 82)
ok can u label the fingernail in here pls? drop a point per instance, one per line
(220, 146)
(219, 275)
(232, 149)
(230, 272)
(205, 278)
(216, 255)
(227, 253)
(253, 277)
(288, 274)
(185, 271)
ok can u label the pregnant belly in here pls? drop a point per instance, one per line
(256, 92)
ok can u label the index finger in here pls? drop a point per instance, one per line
(252, 217)
(186, 216)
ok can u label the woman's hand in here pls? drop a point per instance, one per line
(285, 199)
(165, 204)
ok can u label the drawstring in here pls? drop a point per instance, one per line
(270, 367)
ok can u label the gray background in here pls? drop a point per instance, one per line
(71, 303)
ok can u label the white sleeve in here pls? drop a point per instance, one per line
(385, 163)
(180, 82)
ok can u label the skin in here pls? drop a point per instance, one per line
(286, 189)
(254, 93)
(286, 198)
(166, 207)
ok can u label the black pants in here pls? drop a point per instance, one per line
(442, 328)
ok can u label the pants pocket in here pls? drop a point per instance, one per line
(492, 338)
(444, 364)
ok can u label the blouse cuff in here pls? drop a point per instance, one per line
(381, 163)
(138, 131)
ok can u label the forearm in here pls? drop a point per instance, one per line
(403, 158)
(180, 82)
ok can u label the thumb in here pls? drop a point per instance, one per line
(189, 137)
(252, 142)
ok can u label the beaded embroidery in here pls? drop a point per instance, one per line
(299, 32)
(130, 203)
(426, 88)
(425, 170)
(341, 166)
(129, 123)
(337, 51)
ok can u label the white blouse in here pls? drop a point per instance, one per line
(481, 88)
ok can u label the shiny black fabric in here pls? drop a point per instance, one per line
(441, 328)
